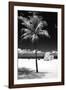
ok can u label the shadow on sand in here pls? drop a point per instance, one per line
(26, 73)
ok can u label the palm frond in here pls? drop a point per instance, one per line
(26, 33)
(45, 23)
(39, 26)
(27, 36)
(25, 22)
(34, 20)
(20, 17)
(26, 30)
(34, 37)
(44, 32)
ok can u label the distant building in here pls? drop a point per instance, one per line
(50, 55)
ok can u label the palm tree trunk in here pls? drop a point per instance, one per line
(36, 62)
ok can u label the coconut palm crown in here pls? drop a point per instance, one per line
(33, 27)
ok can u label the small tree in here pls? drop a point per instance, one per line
(33, 28)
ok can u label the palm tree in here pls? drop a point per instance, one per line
(33, 28)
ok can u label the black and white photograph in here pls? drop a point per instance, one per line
(37, 45)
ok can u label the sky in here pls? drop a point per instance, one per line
(44, 43)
